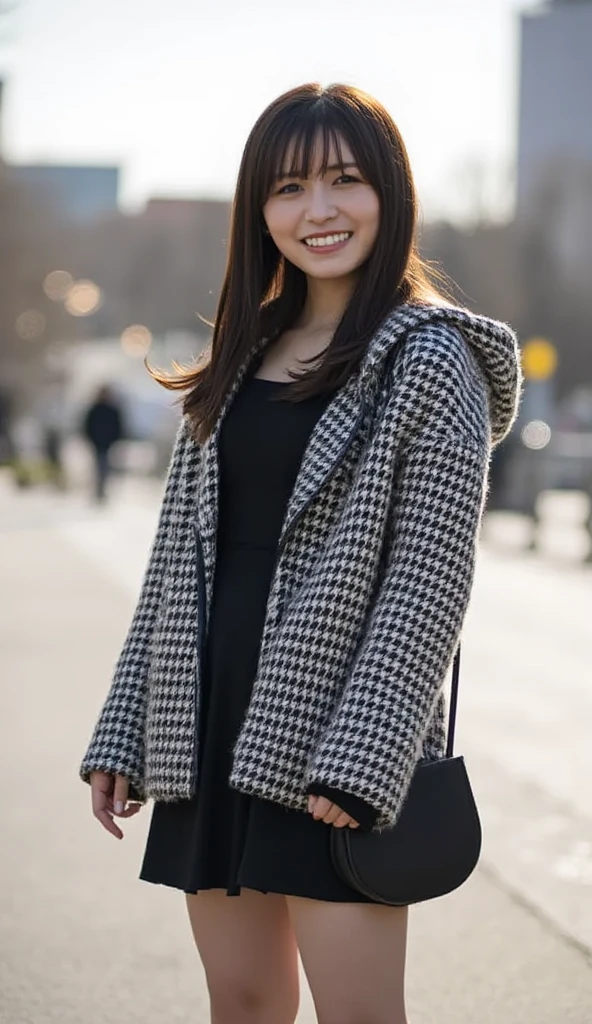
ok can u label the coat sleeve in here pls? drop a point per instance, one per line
(117, 743)
(374, 740)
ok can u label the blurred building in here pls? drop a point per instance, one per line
(162, 267)
(555, 129)
(79, 194)
(1, 107)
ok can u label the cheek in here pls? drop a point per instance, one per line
(280, 218)
(370, 212)
(368, 218)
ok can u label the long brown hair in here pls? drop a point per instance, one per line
(263, 293)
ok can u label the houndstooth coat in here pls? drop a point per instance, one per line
(373, 576)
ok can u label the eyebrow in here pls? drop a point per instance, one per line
(332, 167)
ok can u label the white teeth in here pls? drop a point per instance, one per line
(328, 240)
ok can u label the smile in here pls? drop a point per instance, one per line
(328, 241)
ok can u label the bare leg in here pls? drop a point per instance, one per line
(354, 958)
(250, 957)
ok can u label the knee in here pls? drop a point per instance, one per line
(235, 1003)
(361, 1020)
(248, 1003)
(349, 1016)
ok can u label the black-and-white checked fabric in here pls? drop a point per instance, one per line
(370, 589)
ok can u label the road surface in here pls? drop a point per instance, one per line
(82, 941)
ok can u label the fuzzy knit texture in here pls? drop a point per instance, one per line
(373, 578)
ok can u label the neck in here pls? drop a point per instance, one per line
(325, 302)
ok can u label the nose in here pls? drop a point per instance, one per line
(321, 204)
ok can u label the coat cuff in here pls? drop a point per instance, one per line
(363, 812)
(135, 781)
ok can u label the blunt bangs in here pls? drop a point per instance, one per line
(291, 141)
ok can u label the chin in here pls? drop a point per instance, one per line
(328, 272)
(330, 266)
(330, 275)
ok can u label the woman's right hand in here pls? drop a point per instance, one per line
(109, 798)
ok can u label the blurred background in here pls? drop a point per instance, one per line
(121, 131)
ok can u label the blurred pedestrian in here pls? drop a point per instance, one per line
(311, 569)
(103, 428)
(51, 412)
(7, 450)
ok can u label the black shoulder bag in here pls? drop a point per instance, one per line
(434, 845)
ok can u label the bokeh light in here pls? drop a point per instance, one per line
(57, 284)
(30, 324)
(136, 340)
(83, 298)
(536, 434)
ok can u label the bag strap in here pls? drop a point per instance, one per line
(453, 703)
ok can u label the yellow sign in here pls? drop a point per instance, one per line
(539, 359)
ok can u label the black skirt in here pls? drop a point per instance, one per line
(222, 838)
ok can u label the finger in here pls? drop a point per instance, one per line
(109, 824)
(101, 786)
(312, 803)
(120, 794)
(321, 807)
(128, 812)
(99, 799)
(332, 814)
(104, 818)
(342, 820)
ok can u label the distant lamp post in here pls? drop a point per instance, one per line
(83, 298)
(136, 341)
(539, 359)
(537, 416)
(539, 362)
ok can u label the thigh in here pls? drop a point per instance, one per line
(354, 958)
(249, 953)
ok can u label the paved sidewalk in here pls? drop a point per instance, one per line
(83, 942)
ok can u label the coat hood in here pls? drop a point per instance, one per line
(493, 343)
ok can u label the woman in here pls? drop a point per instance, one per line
(311, 569)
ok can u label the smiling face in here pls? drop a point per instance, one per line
(325, 224)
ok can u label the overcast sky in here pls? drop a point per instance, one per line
(169, 91)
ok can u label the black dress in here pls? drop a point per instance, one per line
(222, 838)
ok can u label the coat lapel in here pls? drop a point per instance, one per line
(343, 417)
(328, 442)
(208, 496)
